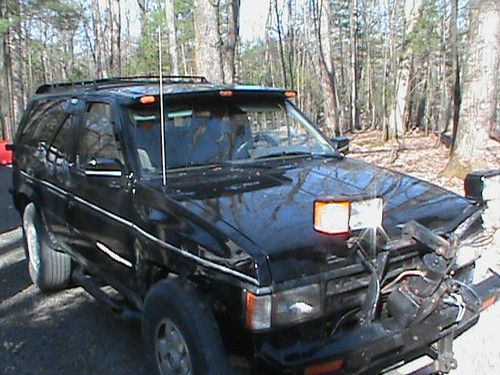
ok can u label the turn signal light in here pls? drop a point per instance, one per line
(148, 99)
(337, 216)
(331, 217)
(258, 311)
(488, 303)
(326, 368)
(291, 94)
(226, 93)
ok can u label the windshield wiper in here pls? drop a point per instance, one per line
(245, 164)
(323, 155)
(285, 154)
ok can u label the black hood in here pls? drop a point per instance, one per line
(273, 206)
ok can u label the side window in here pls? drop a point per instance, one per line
(98, 139)
(61, 143)
(43, 122)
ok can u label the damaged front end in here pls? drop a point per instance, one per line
(406, 299)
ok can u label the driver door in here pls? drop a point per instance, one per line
(101, 200)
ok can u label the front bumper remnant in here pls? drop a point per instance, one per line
(374, 347)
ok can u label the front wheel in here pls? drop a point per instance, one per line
(180, 332)
(49, 270)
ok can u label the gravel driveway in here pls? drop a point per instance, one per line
(70, 333)
(64, 333)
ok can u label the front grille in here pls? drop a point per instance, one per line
(349, 291)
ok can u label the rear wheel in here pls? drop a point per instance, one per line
(180, 332)
(49, 270)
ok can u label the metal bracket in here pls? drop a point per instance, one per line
(446, 249)
(443, 358)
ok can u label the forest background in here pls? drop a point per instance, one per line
(389, 66)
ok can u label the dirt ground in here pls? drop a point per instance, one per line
(70, 333)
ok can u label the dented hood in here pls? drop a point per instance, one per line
(273, 206)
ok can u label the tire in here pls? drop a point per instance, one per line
(49, 270)
(172, 305)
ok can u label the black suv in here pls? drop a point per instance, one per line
(234, 229)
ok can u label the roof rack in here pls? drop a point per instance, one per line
(116, 81)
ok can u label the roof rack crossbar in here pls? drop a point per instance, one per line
(103, 82)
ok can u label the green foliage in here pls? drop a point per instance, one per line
(425, 38)
(4, 25)
(147, 56)
(253, 70)
(62, 15)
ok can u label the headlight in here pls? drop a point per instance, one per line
(296, 305)
(337, 216)
(283, 308)
(366, 214)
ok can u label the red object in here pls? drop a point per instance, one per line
(5, 155)
(326, 368)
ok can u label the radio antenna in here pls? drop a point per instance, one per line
(162, 122)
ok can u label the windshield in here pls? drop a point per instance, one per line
(222, 132)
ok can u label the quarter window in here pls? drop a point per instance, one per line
(99, 139)
(44, 122)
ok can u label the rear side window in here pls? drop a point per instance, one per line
(43, 122)
(98, 139)
(61, 144)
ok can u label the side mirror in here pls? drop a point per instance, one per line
(482, 186)
(104, 167)
(341, 144)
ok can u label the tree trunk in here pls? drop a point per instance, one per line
(231, 44)
(479, 102)
(4, 88)
(207, 40)
(327, 70)
(172, 36)
(143, 10)
(100, 58)
(280, 42)
(353, 41)
(290, 38)
(12, 69)
(399, 114)
(455, 81)
(115, 28)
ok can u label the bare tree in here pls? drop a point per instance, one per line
(279, 26)
(399, 113)
(4, 89)
(11, 48)
(115, 61)
(353, 39)
(143, 9)
(480, 95)
(454, 86)
(172, 35)
(207, 40)
(230, 46)
(97, 27)
(327, 69)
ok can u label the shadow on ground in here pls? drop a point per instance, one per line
(62, 333)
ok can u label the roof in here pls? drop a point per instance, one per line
(137, 86)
